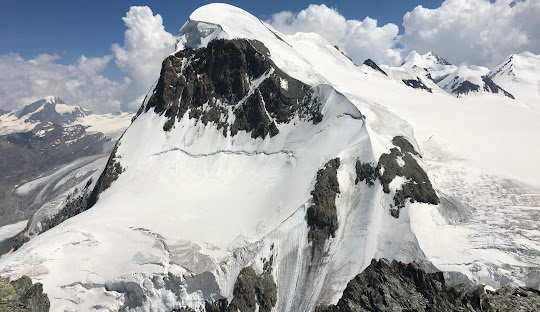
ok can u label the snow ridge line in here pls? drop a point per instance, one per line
(245, 153)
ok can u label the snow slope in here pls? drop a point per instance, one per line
(198, 206)
(519, 74)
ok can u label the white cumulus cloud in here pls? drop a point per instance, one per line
(146, 44)
(25, 81)
(360, 40)
(474, 31)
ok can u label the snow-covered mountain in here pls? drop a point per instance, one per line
(266, 170)
(414, 77)
(458, 81)
(467, 80)
(52, 110)
(438, 67)
(519, 74)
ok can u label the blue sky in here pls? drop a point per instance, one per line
(72, 28)
(79, 50)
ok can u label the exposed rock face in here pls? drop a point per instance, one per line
(72, 208)
(417, 84)
(107, 177)
(21, 295)
(399, 162)
(89, 196)
(374, 65)
(366, 172)
(231, 76)
(395, 286)
(490, 86)
(416, 187)
(322, 215)
(465, 88)
(251, 293)
(20, 238)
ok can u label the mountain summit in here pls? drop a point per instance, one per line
(265, 171)
(520, 75)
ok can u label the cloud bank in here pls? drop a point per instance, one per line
(25, 81)
(360, 40)
(476, 32)
(146, 44)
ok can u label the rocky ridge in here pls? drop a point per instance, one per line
(396, 286)
(231, 76)
(22, 296)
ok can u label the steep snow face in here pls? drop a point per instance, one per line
(194, 203)
(192, 157)
(519, 74)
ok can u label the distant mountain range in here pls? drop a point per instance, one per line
(516, 77)
(41, 144)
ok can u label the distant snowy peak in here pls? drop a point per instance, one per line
(467, 80)
(428, 60)
(414, 77)
(520, 75)
(524, 67)
(438, 67)
(51, 110)
(434, 58)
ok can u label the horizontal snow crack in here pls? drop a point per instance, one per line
(243, 153)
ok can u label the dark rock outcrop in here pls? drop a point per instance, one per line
(395, 286)
(231, 76)
(89, 197)
(250, 290)
(374, 65)
(366, 172)
(465, 88)
(416, 187)
(322, 215)
(21, 237)
(21, 295)
(417, 84)
(490, 86)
